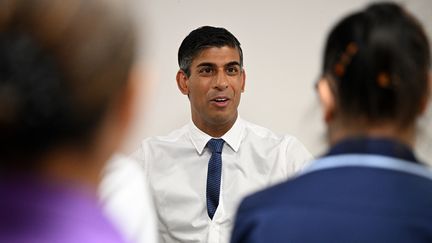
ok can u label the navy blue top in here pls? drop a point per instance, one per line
(362, 190)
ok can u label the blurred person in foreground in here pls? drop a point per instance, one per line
(65, 103)
(369, 187)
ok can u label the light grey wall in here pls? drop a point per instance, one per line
(282, 42)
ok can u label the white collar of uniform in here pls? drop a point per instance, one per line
(233, 137)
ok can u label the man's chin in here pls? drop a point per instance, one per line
(224, 119)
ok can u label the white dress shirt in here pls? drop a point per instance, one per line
(127, 201)
(176, 165)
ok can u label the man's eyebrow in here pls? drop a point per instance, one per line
(206, 64)
(233, 63)
(209, 64)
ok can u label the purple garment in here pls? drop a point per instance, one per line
(38, 212)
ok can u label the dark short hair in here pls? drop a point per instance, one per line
(62, 62)
(378, 61)
(203, 38)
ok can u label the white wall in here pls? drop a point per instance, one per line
(282, 41)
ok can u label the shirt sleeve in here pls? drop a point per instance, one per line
(140, 156)
(297, 155)
(127, 201)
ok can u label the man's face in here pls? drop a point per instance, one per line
(214, 87)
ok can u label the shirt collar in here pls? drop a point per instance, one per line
(233, 137)
(379, 146)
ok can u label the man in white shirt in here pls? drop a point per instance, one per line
(196, 188)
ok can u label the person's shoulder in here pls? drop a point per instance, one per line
(172, 137)
(290, 193)
(266, 133)
(260, 131)
(254, 213)
(267, 198)
(121, 172)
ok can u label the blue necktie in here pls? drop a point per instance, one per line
(214, 175)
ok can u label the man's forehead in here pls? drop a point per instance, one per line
(217, 56)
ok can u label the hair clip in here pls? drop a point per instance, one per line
(339, 70)
(352, 49)
(383, 80)
(345, 59)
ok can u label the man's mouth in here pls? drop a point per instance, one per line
(220, 101)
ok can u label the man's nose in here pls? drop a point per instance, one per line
(221, 81)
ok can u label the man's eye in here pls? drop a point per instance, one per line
(232, 70)
(206, 70)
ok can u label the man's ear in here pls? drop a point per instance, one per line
(243, 80)
(182, 82)
(327, 99)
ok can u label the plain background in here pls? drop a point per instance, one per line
(282, 42)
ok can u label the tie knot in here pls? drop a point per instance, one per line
(215, 145)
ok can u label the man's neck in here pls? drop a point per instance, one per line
(215, 130)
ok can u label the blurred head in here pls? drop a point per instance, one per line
(64, 71)
(376, 70)
(211, 74)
